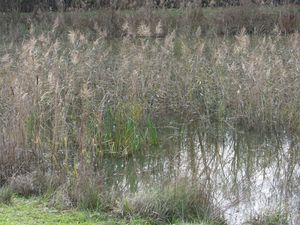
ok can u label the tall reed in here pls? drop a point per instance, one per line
(65, 99)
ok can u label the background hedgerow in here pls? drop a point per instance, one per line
(257, 20)
(112, 23)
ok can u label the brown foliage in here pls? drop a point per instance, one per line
(288, 22)
(250, 17)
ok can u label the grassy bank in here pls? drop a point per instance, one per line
(171, 204)
(35, 211)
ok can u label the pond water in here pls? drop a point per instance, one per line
(247, 173)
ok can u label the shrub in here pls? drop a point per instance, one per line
(36, 183)
(23, 184)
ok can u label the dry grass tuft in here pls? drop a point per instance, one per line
(22, 185)
(175, 201)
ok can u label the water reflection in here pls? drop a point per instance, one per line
(247, 173)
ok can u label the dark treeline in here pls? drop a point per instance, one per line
(63, 5)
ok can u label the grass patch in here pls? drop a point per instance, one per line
(269, 218)
(35, 211)
(179, 201)
(32, 210)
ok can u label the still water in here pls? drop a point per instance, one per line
(247, 173)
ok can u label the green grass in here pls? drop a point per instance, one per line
(34, 210)
(269, 218)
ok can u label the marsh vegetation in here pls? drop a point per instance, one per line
(140, 117)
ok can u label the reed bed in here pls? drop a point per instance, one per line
(68, 99)
(81, 98)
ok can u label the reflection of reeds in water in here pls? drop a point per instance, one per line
(240, 169)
